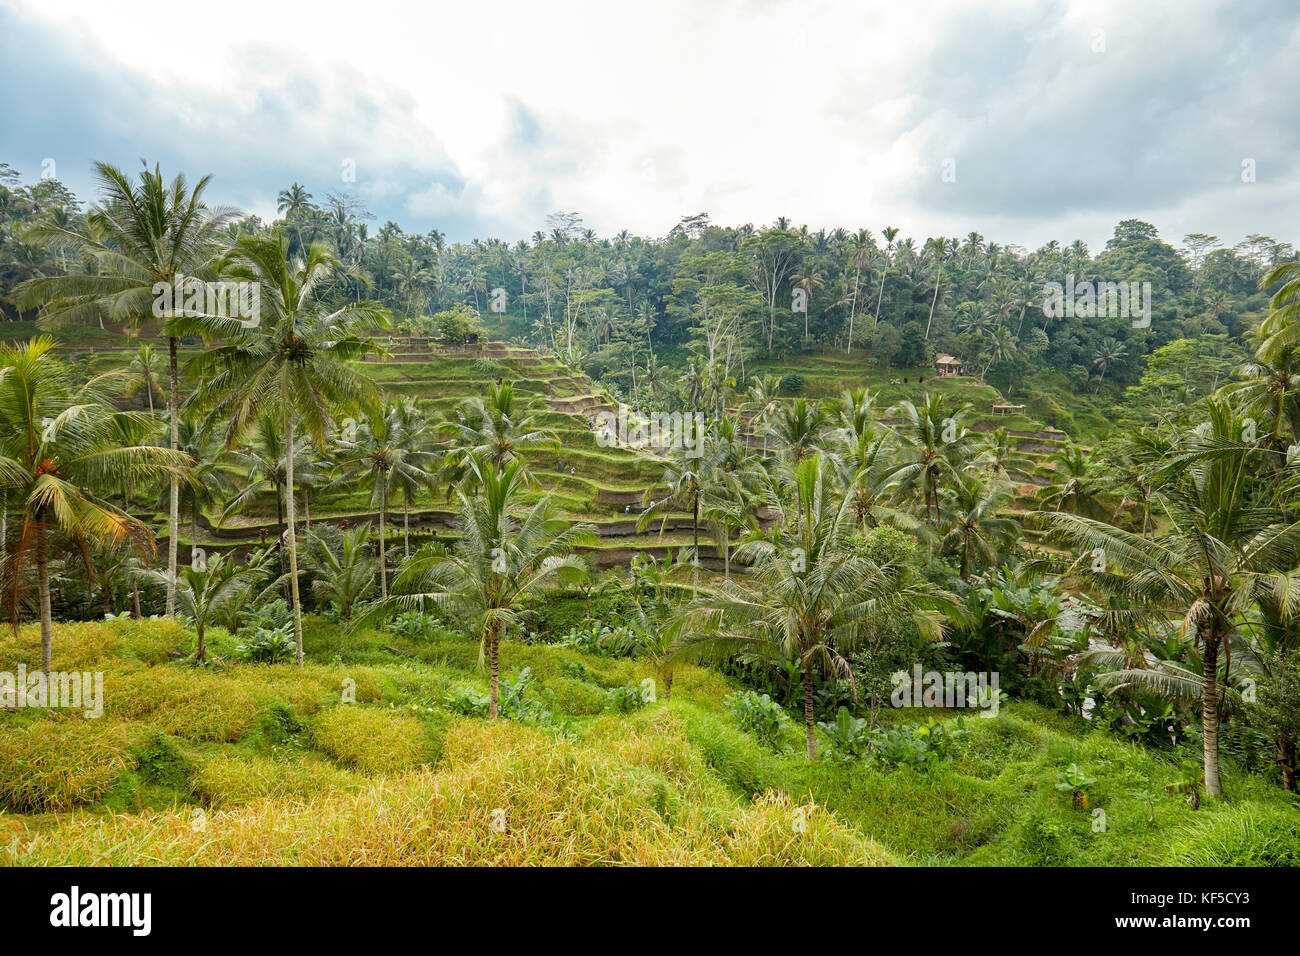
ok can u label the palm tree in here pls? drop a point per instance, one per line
(935, 447)
(860, 247)
(140, 238)
(204, 593)
(145, 371)
(1108, 353)
(941, 249)
(413, 438)
(343, 571)
(811, 280)
(1002, 345)
(689, 475)
(1280, 330)
(763, 403)
(1075, 488)
(1003, 457)
(63, 450)
(890, 233)
(373, 450)
(292, 203)
(812, 597)
(1220, 554)
(799, 427)
(498, 561)
(1269, 389)
(496, 430)
(294, 361)
(976, 530)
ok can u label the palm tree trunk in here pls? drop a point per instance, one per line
(809, 725)
(934, 301)
(135, 591)
(173, 514)
(406, 522)
(383, 552)
(201, 652)
(293, 540)
(668, 689)
(43, 584)
(493, 648)
(1210, 713)
(1286, 760)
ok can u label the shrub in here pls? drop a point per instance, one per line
(415, 625)
(269, 644)
(631, 696)
(56, 765)
(847, 738)
(921, 746)
(226, 780)
(577, 697)
(760, 715)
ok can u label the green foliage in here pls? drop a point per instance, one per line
(631, 697)
(761, 716)
(268, 645)
(847, 737)
(413, 625)
(921, 747)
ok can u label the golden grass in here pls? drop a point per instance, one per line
(370, 740)
(559, 802)
(93, 645)
(57, 763)
(224, 780)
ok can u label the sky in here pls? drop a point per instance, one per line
(1023, 121)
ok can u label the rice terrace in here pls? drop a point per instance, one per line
(349, 521)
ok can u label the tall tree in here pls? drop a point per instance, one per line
(141, 238)
(294, 361)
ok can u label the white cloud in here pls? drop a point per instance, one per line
(491, 114)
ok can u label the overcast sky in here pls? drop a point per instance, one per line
(1052, 120)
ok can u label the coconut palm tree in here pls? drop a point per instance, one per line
(141, 238)
(343, 572)
(205, 591)
(293, 362)
(977, 528)
(63, 451)
(496, 429)
(935, 447)
(293, 203)
(811, 280)
(762, 403)
(499, 560)
(890, 233)
(1076, 485)
(1221, 552)
(373, 451)
(1108, 353)
(799, 427)
(812, 597)
(145, 370)
(689, 476)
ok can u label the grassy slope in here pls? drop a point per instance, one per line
(285, 773)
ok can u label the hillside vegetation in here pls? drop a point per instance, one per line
(256, 764)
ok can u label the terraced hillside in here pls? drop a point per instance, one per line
(601, 485)
(604, 486)
(828, 375)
